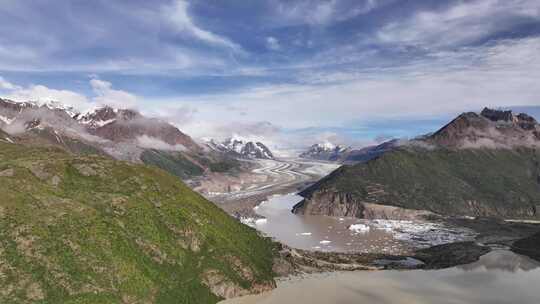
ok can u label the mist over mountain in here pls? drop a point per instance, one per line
(123, 134)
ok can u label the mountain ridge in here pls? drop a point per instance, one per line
(473, 166)
(123, 134)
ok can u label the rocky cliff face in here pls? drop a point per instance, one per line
(478, 165)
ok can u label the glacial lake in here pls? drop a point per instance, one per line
(325, 233)
(498, 277)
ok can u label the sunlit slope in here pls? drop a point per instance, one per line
(94, 230)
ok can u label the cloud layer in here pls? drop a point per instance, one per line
(289, 71)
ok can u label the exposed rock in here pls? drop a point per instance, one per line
(221, 286)
(497, 115)
(377, 211)
(7, 172)
(529, 246)
(526, 122)
(450, 255)
(85, 169)
(331, 203)
(38, 171)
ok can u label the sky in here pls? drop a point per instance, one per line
(290, 73)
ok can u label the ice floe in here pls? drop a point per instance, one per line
(261, 221)
(359, 228)
(423, 234)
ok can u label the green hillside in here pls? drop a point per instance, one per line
(477, 182)
(86, 229)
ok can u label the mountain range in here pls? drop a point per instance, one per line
(241, 148)
(326, 151)
(479, 164)
(123, 134)
(347, 155)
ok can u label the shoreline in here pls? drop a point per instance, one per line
(291, 263)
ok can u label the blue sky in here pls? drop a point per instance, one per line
(289, 72)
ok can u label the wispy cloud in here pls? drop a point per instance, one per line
(177, 13)
(321, 13)
(458, 24)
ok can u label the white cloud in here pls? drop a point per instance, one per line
(6, 85)
(272, 43)
(458, 24)
(42, 93)
(321, 13)
(106, 95)
(156, 143)
(177, 14)
(504, 74)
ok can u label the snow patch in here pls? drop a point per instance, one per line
(7, 120)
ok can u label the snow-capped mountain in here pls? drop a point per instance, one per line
(326, 151)
(102, 116)
(241, 148)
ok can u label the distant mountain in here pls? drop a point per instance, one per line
(241, 148)
(370, 152)
(326, 151)
(123, 134)
(122, 125)
(485, 164)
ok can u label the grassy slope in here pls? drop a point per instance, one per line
(499, 182)
(93, 230)
(172, 162)
(179, 165)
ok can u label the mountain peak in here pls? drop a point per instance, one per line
(242, 148)
(497, 115)
(325, 151)
(489, 129)
(105, 115)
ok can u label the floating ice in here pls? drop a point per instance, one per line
(359, 228)
(324, 242)
(305, 233)
(261, 221)
(424, 234)
(248, 221)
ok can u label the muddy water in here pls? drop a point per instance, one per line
(320, 232)
(326, 233)
(499, 277)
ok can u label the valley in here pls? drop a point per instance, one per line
(270, 152)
